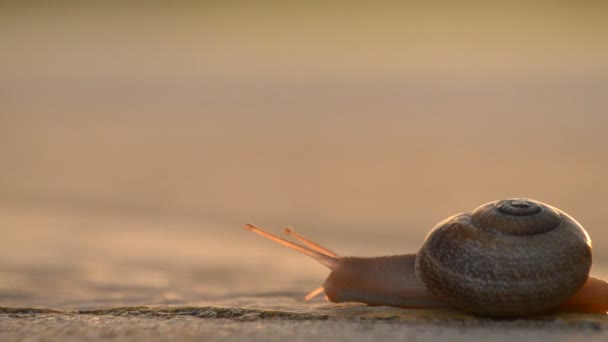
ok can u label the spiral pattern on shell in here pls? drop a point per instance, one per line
(513, 257)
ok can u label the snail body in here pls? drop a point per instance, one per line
(509, 258)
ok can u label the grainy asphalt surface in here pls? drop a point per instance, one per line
(235, 324)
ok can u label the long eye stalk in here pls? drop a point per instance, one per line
(325, 259)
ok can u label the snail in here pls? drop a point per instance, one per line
(508, 258)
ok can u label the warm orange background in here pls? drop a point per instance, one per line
(150, 135)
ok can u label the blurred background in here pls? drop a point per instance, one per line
(136, 140)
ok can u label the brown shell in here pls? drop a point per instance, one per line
(513, 257)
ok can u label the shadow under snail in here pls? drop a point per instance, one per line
(509, 258)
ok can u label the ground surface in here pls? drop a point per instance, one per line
(339, 323)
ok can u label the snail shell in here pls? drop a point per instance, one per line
(506, 258)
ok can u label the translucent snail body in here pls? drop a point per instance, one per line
(509, 258)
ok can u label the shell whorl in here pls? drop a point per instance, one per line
(516, 217)
(506, 258)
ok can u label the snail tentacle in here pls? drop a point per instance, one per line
(311, 244)
(312, 294)
(327, 260)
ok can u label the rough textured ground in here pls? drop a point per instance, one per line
(340, 323)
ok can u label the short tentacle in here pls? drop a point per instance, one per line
(314, 293)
